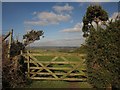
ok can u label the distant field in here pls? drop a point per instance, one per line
(53, 50)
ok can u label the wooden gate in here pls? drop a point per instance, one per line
(54, 70)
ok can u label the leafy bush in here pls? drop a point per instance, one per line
(13, 72)
(103, 56)
(31, 36)
(81, 49)
(94, 13)
(14, 67)
(16, 48)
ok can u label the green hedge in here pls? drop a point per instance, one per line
(103, 56)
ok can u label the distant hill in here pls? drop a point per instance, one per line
(65, 49)
(55, 48)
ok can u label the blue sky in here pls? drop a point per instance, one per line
(61, 22)
(0, 18)
(60, 0)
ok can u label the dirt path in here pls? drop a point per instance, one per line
(73, 85)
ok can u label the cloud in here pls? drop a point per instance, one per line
(114, 15)
(52, 17)
(66, 8)
(34, 13)
(58, 14)
(45, 18)
(41, 23)
(76, 28)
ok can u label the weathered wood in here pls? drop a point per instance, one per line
(28, 66)
(10, 42)
(52, 68)
(56, 62)
(66, 60)
(34, 63)
(46, 73)
(43, 66)
(70, 71)
(67, 79)
(63, 54)
(30, 61)
(10, 35)
(6, 37)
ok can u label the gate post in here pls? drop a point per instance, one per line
(10, 41)
(28, 65)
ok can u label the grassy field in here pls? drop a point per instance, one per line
(58, 84)
(70, 58)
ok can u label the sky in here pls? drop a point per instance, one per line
(60, 21)
(0, 18)
(60, 0)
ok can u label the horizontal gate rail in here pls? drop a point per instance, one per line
(71, 74)
(52, 68)
(66, 79)
(55, 62)
(63, 54)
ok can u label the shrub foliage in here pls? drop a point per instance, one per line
(14, 68)
(103, 56)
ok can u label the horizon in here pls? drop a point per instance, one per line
(52, 46)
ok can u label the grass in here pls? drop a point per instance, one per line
(59, 84)
(48, 58)
(44, 58)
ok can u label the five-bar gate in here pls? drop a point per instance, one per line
(54, 69)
